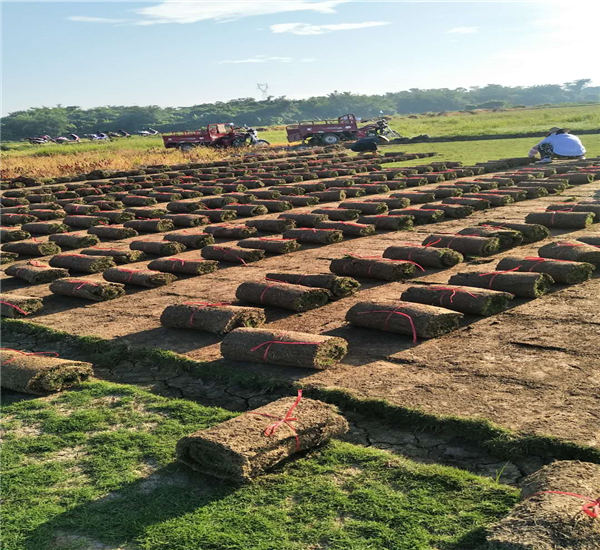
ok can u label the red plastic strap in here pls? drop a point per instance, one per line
(54, 353)
(272, 428)
(21, 311)
(591, 508)
(385, 260)
(433, 243)
(269, 343)
(395, 312)
(453, 291)
(228, 252)
(494, 274)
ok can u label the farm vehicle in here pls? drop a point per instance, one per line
(214, 135)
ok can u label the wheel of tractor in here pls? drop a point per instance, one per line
(262, 143)
(186, 147)
(330, 139)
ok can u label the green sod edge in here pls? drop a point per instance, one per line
(495, 440)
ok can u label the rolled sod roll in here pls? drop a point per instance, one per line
(302, 200)
(157, 225)
(287, 296)
(568, 207)
(190, 239)
(350, 192)
(415, 320)
(524, 285)
(217, 203)
(138, 277)
(351, 229)
(314, 236)
(82, 262)
(562, 271)
(382, 269)
(45, 228)
(593, 240)
(273, 205)
(451, 210)
(552, 187)
(98, 291)
(47, 214)
(532, 232)
(366, 207)
(105, 205)
(17, 219)
(338, 214)
(119, 255)
(31, 248)
(546, 517)
(74, 240)
(232, 254)
(8, 257)
(9, 235)
(571, 250)
(577, 178)
(389, 222)
(144, 213)
(81, 208)
(185, 206)
(425, 256)
(158, 248)
(495, 199)
(271, 226)
(246, 446)
(219, 215)
(187, 220)
(331, 195)
(532, 192)
(283, 347)
(466, 299)
(85, 221)
(216, 318)
(562, 220)
(304, 220)
(508, 237)
(39, 373)
(516, 194)
(246, 210)
(466, 245)
(230, 231)
(477, 204)
(136, 200)
(271, 244)
(35, 272)
(116, 216)
(420, 215)
(373, 188)
(266, 194)
(415, 197)
(339, 287)
(185, 267)
(112, 232)
(16, 305)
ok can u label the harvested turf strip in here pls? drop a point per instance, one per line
(190, 239)
(208, 317)
(39, 373)
(426, 256)
(495, 199)
(218, 215)
(314, 236)
(302, 200)
(508, 238)
(416, 320)
(562, 271)
(151, 226)
(45, 228)
(74, 240)
(273, 245)
(230, 231)
(283, 347)
(466, 299)
(187, 220)
(32, 248)
(304, 220)
(158, 248)
(274, 205)
(547, 518)
(338, 214)
(185, 267)
(119, 255)
(562, 220)
(138, 277)
(98, 291)
(8, 234)
(351, 229)
(271, 226)
(17, 219)
(36, 272)
(415, 197)
(16, 305)
(477, 204)
(339, 287)
(365, 207)
(85, 221)
(8, 257)
(531, 232)
(392, 202)
(331, 195)
(378, 268)
(185, 206)
(287, 296)
(389, 222)
(145, 213)
(455, 211)
(113, 232)
(421, 215)
(466, 245)
(116, 216)
(571, 250)
(593, 240)
(82, 262)
(524, 285)
(248, 445)
(247, 209)
(232, 254)
(566, 207)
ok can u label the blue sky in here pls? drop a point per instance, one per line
(176, 52)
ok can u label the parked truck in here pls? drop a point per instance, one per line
(214, 135)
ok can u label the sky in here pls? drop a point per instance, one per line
(186, 52)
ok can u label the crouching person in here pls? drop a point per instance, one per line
(558, 144)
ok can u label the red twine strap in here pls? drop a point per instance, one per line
(385, 260)
(271, 342)
(395, 312)
(591, 508)
(41, 353)
(229, 253)
(433, 243)
(83, 283)
(494, 274)
(272, 428)
(21, 311)
(453, 292)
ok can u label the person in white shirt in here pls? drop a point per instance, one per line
(558, 144)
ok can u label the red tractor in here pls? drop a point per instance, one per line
(215, 135)
(330, 132)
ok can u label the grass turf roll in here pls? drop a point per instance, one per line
(351, 229)
(138, 277)
(508, 237)
(562, 271)
(158, 248)
(187, 220)
(8, 257)
(466, 299)
(9, 234)
(532, 232)
(40, 374)
(185, 267)
(304, 220)
(593, 240)
(45, 228)
(562, 220)
(98, 291)
(36, 272)
(339, 287)
(495, 199)
(271, 244)
(16, 305)
(113, 232)
(477, 204)
(32, 248)
(116, 216)
(74, 240)
(247, 210)
(230, 231)
(330, 195)
(381, 268)
(190, 239)
(219, 215)
(371, 207)
(151, 226)
(82, 262)
(271, 226)
(578, 207)
(466, 245)
(415, 320)
(424, 255)
(85, 222)
(185, 206)
(283, 347)
(421, 215)
(455, 211)
(119, 255)
(246, 446)
(524, 285)
(211, 317)
(389, 222)
(287, 296)
(17, 219)
(232, 254)
(314, 236)
(46, 214)
(273, 205)
(415, 197)
(338, 214)
(571, 250)
(302, 200)
(143, 213)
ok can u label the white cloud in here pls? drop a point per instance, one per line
(306, 29)
(463, 30)
(258, 59)
(178, 11)
(85, 19)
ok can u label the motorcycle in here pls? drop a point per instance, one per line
(248, 137)
(148, 132)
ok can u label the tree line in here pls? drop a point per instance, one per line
(61, 120)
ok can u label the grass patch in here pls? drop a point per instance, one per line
(98, 463)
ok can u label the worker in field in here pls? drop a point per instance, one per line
(558, 144)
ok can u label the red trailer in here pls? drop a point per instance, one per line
(215, 135)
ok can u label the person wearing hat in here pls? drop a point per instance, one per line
(558, 144)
